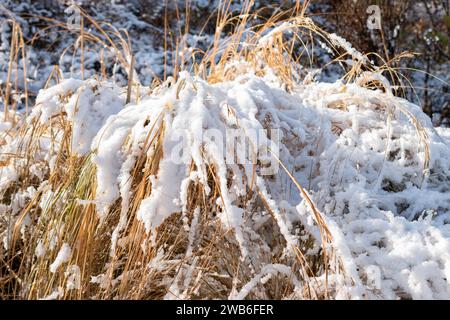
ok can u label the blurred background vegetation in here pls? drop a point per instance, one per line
(157, 27)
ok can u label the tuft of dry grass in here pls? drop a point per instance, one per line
(11, 93)
(114, 257)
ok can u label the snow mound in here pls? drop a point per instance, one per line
(373, 174)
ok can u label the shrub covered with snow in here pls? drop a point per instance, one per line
(243, 179)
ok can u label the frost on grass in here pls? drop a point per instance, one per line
(356, 204)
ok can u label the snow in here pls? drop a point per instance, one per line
(266, 270)
(55, 294)
(88, 108)
(344, 44)
(62, 257)
(376, 237)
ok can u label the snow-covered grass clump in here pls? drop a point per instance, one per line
(240, 180)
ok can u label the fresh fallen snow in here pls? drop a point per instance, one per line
(344, 44)
(359, 153)
(62, 257)
(88, 108)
